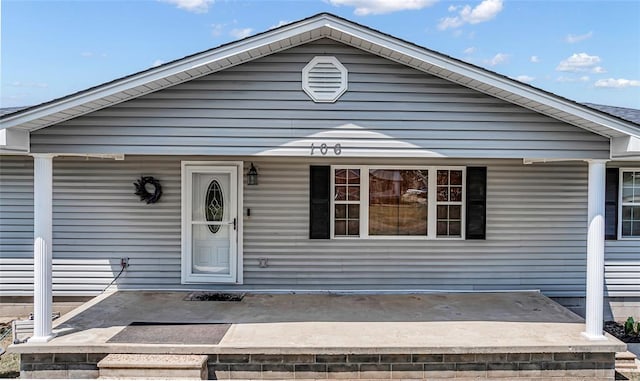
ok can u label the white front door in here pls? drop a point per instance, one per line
(210, 223)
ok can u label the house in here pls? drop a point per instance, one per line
(320, 156)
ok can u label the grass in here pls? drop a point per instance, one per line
(9, 362)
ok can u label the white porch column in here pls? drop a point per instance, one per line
(42, 255)
(595, 250)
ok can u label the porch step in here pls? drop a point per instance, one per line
(149, 366)
(626, 361)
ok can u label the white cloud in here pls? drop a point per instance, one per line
(580, 62)
(157, 63)
(525, 78)
(450, 22)
(598, 70)
(195, 6)
(584, 78)
(379, 7)
(497, 59)
(216, 29)
(485, 11)
(572, 38)
(279, 24)
(453, 8)
(240, 32)
(617, 83)
(534, 59)
(470, 50)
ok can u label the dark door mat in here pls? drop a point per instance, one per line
(171, 333)
(200, 296)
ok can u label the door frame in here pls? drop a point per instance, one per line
(187, 277)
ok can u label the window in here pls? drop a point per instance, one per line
(214, 205)
(630, 203)
(347, 202)
(398, 202)
(387, 202)
(449, 203)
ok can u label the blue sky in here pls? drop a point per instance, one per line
(588, 51)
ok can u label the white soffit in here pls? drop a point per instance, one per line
(313, 28)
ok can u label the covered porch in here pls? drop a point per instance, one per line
(311, 336)
(43, 244)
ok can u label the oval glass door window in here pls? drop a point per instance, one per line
(214, 205)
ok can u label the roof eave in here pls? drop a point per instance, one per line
(229, 52)
(315, 27)
(471, 72)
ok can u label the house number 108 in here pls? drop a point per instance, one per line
(324, 148)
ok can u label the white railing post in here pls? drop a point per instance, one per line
(595, 250)
(42, 254)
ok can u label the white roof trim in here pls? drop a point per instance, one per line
(206, 63)
(14, 141)
(323, 25)
(464, 74)
(625, 147)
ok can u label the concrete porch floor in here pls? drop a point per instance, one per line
(515, 322)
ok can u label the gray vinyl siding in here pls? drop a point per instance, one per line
(259, 106)
(536, 219)
(16, 225)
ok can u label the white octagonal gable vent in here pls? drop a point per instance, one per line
(324, 79)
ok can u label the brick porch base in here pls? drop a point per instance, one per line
(532, 366)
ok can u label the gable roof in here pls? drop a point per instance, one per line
(323, 25)
(630, 114)
(10, 110)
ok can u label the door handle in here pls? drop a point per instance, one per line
(235, 224)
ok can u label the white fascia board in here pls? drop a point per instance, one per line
(183, 65)
(627, 158)
(529, 161)
(625, 147)
(13, 140)
(478, 74)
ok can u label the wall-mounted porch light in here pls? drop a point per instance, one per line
(252, 176)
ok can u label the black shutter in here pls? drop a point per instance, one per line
(611, 204)
(476, 203)
(319, 183)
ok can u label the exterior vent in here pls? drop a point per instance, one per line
(324, 79)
